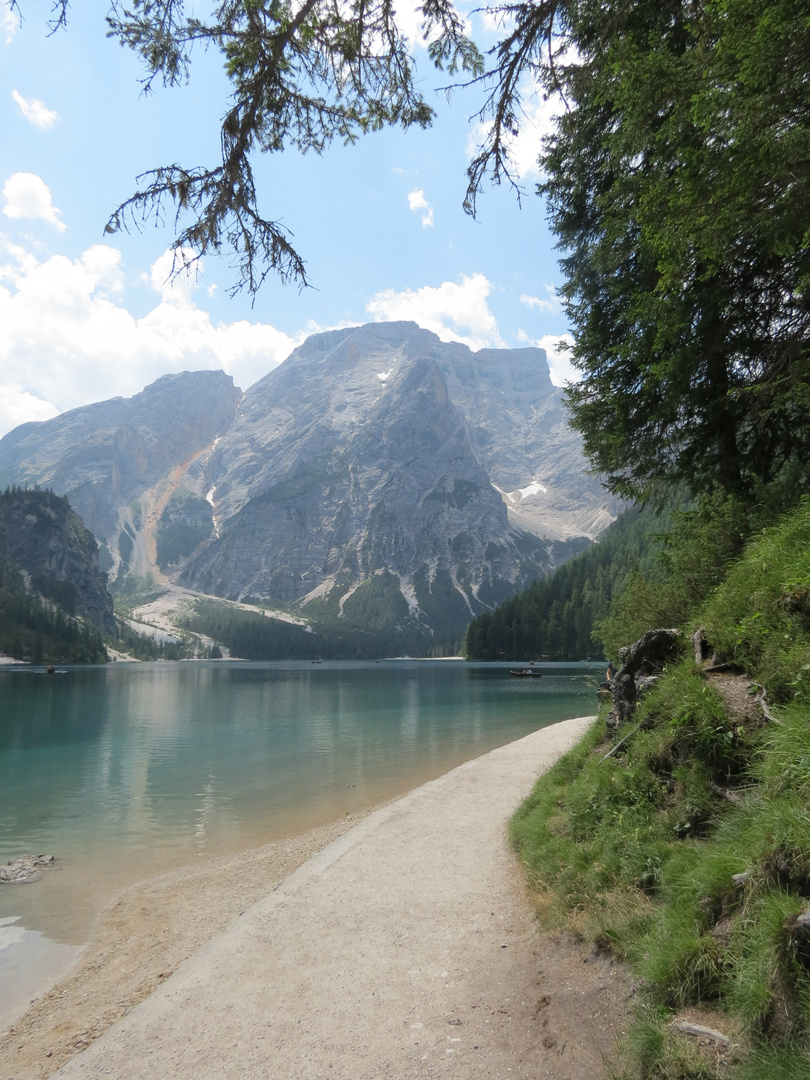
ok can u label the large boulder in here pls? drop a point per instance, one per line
(641, 664)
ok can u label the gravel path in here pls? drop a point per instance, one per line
(406, 948)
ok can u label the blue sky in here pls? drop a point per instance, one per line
(84, 316)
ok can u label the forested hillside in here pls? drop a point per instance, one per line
(53, 599)
(554, 618)
(255, 636)
(35, 630)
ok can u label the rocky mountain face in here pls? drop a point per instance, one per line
(48, 546)
(377, 478)
(118, 461)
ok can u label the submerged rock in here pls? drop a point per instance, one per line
(25, 868)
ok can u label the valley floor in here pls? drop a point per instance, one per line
(399, 943)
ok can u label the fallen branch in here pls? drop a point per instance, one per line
(726, 793)
(620, 743)
(761, 700)
(701, 1032)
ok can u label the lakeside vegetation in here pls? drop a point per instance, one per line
(256, 636)
(687, 851)
(676, 183)
(554, 618)
(38, 631)
(49, 585)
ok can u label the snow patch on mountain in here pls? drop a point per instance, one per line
(505, 494)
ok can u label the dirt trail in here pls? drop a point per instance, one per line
(406, 948)
(141, 937)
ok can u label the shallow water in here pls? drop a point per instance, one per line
(123, 771)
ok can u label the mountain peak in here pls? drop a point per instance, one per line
(376, 474)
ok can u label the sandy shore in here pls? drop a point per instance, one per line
(398, 943)
(139, 938)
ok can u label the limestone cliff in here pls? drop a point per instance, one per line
(379, 469)
(117, 460)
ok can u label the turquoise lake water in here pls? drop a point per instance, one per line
(125, 770)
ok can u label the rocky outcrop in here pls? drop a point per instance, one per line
(352, 388)
(641, 664)
(380, 450)
(24, 869)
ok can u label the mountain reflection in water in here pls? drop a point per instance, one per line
(123, 771)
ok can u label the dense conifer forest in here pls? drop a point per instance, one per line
(554, 618)
(44, 599)
(252, 636)
(36, 630)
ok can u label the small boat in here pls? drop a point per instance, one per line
(525, 673)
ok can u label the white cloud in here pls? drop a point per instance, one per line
(410, 20)
(495, 20)
(536, 119)
(18, 406)
(417, 202)
(23, 261)
(559, 357)
(28, 196)
(455, 311)
(36, 112)
(175, 275)
(68, 339)
(102, 264)
(549, 304)
(9, 22)
(539, 120)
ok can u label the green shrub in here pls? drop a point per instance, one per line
(760, 618)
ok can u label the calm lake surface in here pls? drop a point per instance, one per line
(123, 771)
